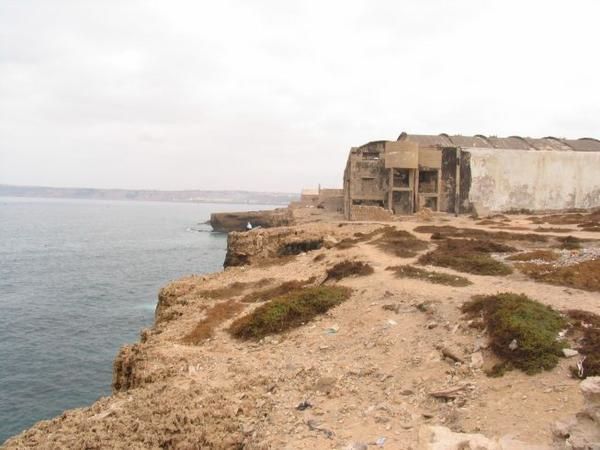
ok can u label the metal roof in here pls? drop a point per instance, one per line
(509, 143)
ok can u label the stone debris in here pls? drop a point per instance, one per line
(569, 352)
(442, 438)
(476, 360)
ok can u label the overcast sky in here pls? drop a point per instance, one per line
(270, 95)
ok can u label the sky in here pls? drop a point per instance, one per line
(270, 95)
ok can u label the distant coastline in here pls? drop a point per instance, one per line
(147, 195)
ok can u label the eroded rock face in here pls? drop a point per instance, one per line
(125, 367)
(254, 246)
(237, 221)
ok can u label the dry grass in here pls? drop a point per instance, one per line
(346, 269)
(288, 311)
(430, 276)
(447, 231)
(276, 291)
(577, 218)
(584, 275)
(468, 255)
(569, 243)
(214, 316)
(400, 243)
(235, 289)
(359, 237)
(295, 248)
(515, 319)
(586, 327)
(552, 230)
(536, 255)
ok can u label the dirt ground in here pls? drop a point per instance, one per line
(363, 373)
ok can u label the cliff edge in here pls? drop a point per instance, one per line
(395, 364)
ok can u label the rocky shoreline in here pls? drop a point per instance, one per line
(397, 365)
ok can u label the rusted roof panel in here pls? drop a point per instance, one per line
(469, 141)
(511, 143)
(548, 143)
(584, 144)
(427, 140)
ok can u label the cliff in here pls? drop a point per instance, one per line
(395, 365)
(237, 221)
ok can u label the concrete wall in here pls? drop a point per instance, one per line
(368, 213)
(538, 180)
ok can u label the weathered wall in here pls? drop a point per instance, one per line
(536, 180)
(367, 213)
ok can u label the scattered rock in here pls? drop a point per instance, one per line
(395, 307)
(452, 354)
(432, 324)
(569, 352)
(513, 345)
(476, 360)
(357, 446)
(325, 384)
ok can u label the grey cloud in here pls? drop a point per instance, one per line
(270, 95)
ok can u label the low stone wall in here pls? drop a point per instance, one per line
(332, 204)
(361, 212)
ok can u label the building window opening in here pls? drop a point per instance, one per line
(428, 181)
(370, 155)
(401, 178)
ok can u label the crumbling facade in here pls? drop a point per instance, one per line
(455, 173)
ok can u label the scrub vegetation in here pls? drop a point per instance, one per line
(430, 276)
(536, 255)
(523, 332)
(468, 255)
(288, 311)
(400, 243)
(584, 275)
(586, 330)
(346, 269)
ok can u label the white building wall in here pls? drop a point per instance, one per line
(538, 180)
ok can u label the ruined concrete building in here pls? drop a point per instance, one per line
(456, 173)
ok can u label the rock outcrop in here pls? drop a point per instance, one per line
(264, 245)
(237, 221)
(582, 432)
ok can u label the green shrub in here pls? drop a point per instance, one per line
(349, 268)
(288, 311)
(468, 255)
(515, 317)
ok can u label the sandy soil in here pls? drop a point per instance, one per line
(365, 373)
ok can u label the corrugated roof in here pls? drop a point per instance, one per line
(508, 143)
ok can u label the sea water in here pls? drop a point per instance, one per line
(79, 279)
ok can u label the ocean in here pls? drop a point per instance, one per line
(79, 279)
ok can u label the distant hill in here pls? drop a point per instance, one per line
(190, 196)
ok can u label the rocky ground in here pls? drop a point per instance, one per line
(396, 366)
